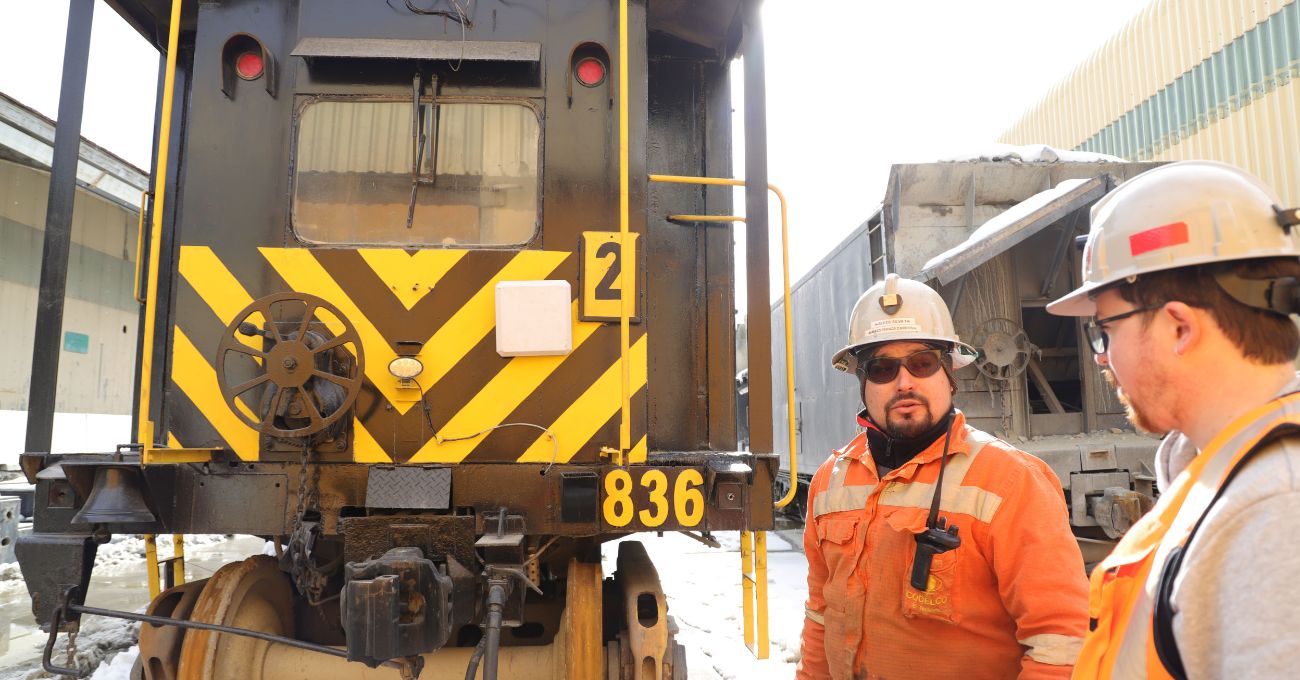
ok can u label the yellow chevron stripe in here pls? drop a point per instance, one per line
(213, 282)
(173, 442)
(497, 400)
(410, 277)
(364, 447)
(196, 378)
(217, 287)
(577, 425)
(638, 453)
(471, 323)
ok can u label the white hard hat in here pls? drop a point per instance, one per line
(1179, 215)
(901, 310)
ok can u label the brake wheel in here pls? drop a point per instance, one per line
(289, 361)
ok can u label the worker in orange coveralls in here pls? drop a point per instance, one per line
(934, 550)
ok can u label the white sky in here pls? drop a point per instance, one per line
(852, 87)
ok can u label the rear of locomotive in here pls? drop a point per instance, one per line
(390, 338)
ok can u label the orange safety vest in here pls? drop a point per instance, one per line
(1124, 587)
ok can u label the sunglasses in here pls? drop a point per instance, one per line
(882, 370)
(1097, 337)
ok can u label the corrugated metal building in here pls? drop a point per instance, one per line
(1212, 79)
(99, 323)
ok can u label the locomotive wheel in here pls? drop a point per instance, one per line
(252, 594)
(160, 646)
(289, 365)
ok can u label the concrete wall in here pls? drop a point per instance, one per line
(97, 364)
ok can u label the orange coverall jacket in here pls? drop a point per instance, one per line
(1011, 601)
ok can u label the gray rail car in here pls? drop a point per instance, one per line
(996, 238)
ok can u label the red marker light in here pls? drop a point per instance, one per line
(590, 72)
(249, 65)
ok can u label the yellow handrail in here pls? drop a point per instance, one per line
(785, 273)
(624, 282)
(146, 431)
(139, 243)
(705, 218)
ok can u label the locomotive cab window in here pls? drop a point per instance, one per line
(444, 174)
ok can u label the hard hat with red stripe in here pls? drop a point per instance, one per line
(1179, 215)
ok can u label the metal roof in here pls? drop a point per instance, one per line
(714, 24)
(27, 137)
(1018, 223)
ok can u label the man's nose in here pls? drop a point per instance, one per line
(905, 379)
(1102, 359)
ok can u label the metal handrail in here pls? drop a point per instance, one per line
(139, 244)
(785, 273)
(145, 435)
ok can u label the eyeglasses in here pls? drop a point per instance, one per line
(1097, 337)
(882, 370)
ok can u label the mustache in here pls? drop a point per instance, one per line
(904, 396)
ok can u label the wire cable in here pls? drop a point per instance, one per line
(428, 417)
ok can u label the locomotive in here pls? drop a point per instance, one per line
(416, 312)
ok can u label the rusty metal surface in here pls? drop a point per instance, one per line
(368, 538)
(51, 564)
(242, 503)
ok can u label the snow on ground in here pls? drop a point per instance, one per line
(119, 667)
(99, 639)
(118, 582)
(703, 588)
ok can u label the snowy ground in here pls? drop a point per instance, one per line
(704, 596)
(118, 582)
(702, 585)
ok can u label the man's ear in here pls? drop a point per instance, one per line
(1187, 325)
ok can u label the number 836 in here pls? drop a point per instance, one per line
(686, 503)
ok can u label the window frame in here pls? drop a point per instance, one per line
(306, 101)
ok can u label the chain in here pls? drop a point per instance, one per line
(309, 580)
(72, 649)
(1006, 410)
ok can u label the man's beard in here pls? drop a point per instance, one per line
(1134, 413)
(907, 428)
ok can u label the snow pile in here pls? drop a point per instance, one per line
(100, 639)
(118, 667)
(704, 597)
(1031, 153)
(127, 550)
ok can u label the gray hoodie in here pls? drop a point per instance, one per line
(1236, 608)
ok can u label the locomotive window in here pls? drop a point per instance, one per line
(355, 181)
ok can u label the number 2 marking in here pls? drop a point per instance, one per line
(605, 289)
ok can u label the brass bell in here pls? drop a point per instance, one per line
(116, 498)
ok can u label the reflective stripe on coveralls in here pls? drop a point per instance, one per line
(1123, 586)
